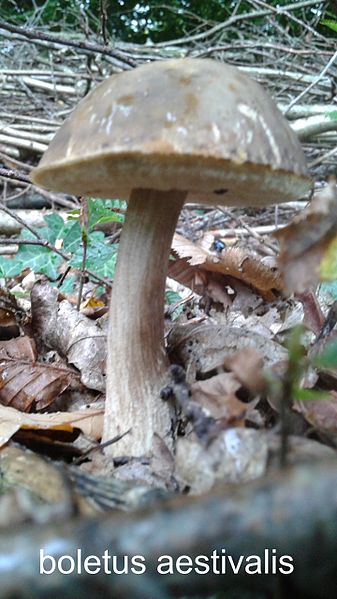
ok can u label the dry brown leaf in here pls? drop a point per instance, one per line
(9, 311)
(320, 413)
(247, 366)
(20, 348)
(246, 299)
(59, 326)
(313, 315)
(89, 421)
(217, 396)
(233, 262)
(24, 382)
(304, 241)
(202, 348)
(203, 283)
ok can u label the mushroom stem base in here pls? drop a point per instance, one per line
(137, 362)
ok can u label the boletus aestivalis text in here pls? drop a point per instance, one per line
(158, 135)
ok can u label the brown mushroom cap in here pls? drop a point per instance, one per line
(186, 124)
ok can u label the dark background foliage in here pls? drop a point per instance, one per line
(159, 21)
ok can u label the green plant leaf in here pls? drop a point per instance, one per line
(329, 23)
(101, 257)
(71, 236)
(171, 297)
(10, 267)
(330, 287)
(328, 266)
(55, 226)
(37, 258)
(102, 211)
(328, 357)
(332, 115)
(68, 284)
(309, 394)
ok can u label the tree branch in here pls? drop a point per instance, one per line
(285, 514)
(54, 39)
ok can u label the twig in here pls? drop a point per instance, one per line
(317, 79)
(10, 161)
(282, 73)
(234, 19)
(84, 221)
(321, 159)
(313, 125)
(23, 143)
(251, 230)
(54, 39)
(45, 85)
(30, 119)
(16, 241)
(16, 175)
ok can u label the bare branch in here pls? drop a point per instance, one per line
(32, 34)
(317, 79)
(236, 18)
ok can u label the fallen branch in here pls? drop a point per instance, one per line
(35, 146)
(284, 514)
(314, 125)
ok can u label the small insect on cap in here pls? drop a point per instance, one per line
(187, 124)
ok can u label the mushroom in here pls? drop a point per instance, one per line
(158, 135)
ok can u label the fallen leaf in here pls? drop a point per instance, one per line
(247, 366)
(204, 347)
(233, 262)
(320, 413)
(25, 383)
(313, 316)
(9, 312)
(305, 241)
(203, 283)
(89, 421)
(217, 396)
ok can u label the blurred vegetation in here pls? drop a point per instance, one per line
(156, 21)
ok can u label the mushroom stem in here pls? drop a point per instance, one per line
(137, 361)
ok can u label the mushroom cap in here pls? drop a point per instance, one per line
(196, 125)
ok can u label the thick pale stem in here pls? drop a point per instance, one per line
(137, 362)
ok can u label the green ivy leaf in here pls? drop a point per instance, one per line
(100, 258)
(68, 284)
(55, 226)
(103, 211)
(171, 297)
(71, 236)
(10, 267)
(37, 258)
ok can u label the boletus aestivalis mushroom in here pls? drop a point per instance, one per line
(158, 135)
